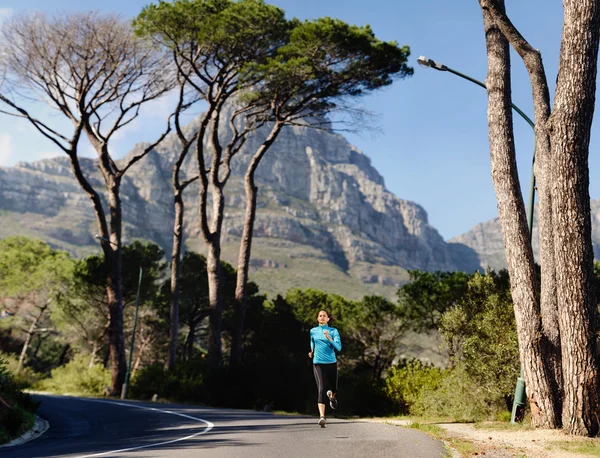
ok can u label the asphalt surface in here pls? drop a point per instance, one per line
(92, 428)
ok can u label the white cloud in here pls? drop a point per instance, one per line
(5, 149)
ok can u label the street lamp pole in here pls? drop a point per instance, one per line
(135, 320)
(520, 397)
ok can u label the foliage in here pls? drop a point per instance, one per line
(457, 396)
(481, 333)
(82, 315)
(16, 407)
(26, 376)
(33, 280)
(77, 377)
(324, 62)
(376, 324)
(306, 304)
(479, 330)
(27, 264)
(428, 295)
(184, 383)
(406, 383)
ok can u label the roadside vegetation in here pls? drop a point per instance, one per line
(16, 408)
(56, 339)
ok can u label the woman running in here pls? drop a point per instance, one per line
(323, 341)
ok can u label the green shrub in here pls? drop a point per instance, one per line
(183, 383)
(26, 377)
(16, 407)
(77, 377)
(457, 396)
(405, 383)
(481, 333)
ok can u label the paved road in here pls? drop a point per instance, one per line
(92, 428)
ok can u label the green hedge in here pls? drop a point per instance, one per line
(16, 408)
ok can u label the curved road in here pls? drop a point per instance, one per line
(93, 428)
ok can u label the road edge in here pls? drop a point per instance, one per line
(452, 452)
(40, 426)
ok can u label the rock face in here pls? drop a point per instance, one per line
(321, 204)
(486, 239)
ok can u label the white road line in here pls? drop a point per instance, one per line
(209, 426)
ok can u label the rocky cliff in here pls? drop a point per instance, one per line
(486, 239)
(325, 218)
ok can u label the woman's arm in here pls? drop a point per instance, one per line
(336, 341)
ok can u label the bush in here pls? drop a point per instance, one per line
(26, 377)
(77, 377)
(457, 396)
(183, 383)
(405, 383)
(16, 407)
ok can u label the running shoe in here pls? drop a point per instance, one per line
(322, 422)
(332, 401)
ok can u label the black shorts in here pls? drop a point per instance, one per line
(326, 376)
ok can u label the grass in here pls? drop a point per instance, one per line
(581, 446)
(463, 447)
(502, 426)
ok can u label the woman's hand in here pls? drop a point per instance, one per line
(326, 333)
(310, 354)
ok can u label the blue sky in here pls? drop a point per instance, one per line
(432, 147)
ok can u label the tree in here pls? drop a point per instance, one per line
(91, 69)
(185, 102)
(564, 324)
(322, 66)
(376, 323)
(280, 73)
(83, 314)
(429, 295)
(212, 42)
(33, 277)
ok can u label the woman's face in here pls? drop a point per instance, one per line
(323, 318)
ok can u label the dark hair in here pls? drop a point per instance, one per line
(331, 317)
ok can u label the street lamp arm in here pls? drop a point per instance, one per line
(479, 83)
(426, 62)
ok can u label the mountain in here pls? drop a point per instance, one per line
(486, 239)
(325, 218)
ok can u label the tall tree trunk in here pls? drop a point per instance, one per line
(542, 168)
(511, 211)
(175, 271)
(215, 299)
(30, 333)
(189, 343)
(62, 359)
(93, 355)
(112, 255)
(114, 288)
(142, 350)
(570, 126)
(212, 233)
(246, 246)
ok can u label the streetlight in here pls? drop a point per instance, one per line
(426, 62)
(135, 320)
(520, 398)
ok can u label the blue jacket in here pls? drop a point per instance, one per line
(324, 348)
